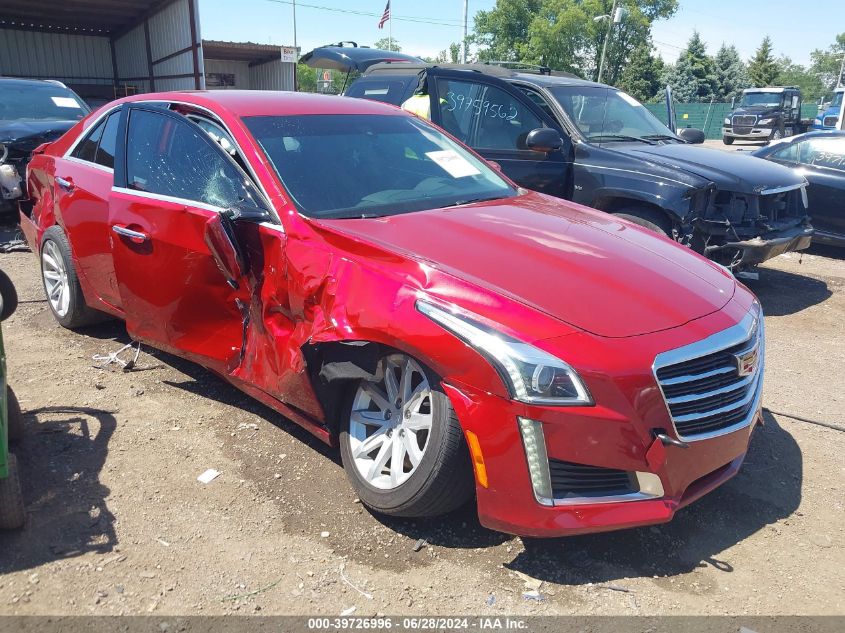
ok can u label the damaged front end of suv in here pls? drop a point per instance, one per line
(741, 229)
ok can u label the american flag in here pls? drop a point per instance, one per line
(385, 16)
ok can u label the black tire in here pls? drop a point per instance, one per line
(78, 313)
(647, 218)
(442, 482)
(12, 509)
(728, 140)
(14, 416)
(10, 296)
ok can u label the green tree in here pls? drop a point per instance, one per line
(693, 77)
(790, 74)
(827, 64)
(642, 77)
(563, 34)
(763, 68)
(388, 44)
(731, 73)
(306, 78)
(451, 55)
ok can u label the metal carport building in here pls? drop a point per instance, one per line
(105, 49)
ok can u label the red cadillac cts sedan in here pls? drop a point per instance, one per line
(368, 277)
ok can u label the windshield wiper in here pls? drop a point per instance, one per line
(621, 137)
(459, 203)
(663, 137)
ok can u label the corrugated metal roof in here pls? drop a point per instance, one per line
(89, 17)
(240, 51)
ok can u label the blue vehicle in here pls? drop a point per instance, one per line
(829, 119)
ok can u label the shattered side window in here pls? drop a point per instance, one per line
(170, 157)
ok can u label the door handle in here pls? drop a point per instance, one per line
(65, 183)
(132, 235)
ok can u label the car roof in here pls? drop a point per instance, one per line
(18, 81)
(556, 78)
(244, 103)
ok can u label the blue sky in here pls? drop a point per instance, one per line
(425, 28)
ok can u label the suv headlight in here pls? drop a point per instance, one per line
(727, 121)
(765, 121)
(531, 375)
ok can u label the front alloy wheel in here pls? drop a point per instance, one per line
(402, 445)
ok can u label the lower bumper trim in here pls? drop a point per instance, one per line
(758, 250)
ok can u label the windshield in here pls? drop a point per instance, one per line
(352, 166)
(39, 102)
(767, 99)
(837, 100)
(607, 114)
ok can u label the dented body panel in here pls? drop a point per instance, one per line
(307, 305)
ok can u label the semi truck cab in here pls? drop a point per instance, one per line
(765, 114)
(829, 119)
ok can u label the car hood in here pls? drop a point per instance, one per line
(731, 171)
(584, 267)
(760, 111)
(27, 135)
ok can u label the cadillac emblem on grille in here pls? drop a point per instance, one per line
(746, 363)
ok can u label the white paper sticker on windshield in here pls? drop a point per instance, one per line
(628, 98)
(66, 102)
(453, 163)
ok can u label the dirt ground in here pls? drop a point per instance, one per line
(119, 524)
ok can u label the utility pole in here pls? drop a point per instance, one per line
(610, 21)
(295, 47)
(464, 41)
(841, 70)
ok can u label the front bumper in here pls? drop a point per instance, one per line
(759, 249)
(754, 134)
(616, 433)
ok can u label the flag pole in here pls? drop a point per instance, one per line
(390, 30)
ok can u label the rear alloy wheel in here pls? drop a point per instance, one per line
(61, 284)
(402, 446)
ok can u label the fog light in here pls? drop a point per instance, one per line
(538, 460)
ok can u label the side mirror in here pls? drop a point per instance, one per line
(8, 297)
(543, 139)
(691, 135)
(223, 244)
(733, 102)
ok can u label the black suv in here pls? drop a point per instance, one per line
(32, 112)
(598, 146)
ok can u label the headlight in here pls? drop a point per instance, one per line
(765, 121)
(727, 121)
(817, 121)
(531, 375)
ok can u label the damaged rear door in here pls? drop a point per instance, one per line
(173, 183)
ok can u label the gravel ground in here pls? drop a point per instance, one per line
(119, 524)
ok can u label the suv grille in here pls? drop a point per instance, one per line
(712, 387)
(745, 119)
(578, 480)
(830, 121)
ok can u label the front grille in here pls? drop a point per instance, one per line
(702, 383)
(830, 121)
(745, 120)
(578, 480)
(742, 130)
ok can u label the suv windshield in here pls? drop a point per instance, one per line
(767, 99)
(353, 166)
(607, 114)
(39, 102)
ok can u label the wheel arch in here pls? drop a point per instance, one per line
(618, 202)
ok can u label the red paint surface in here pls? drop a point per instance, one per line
(600, 293)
